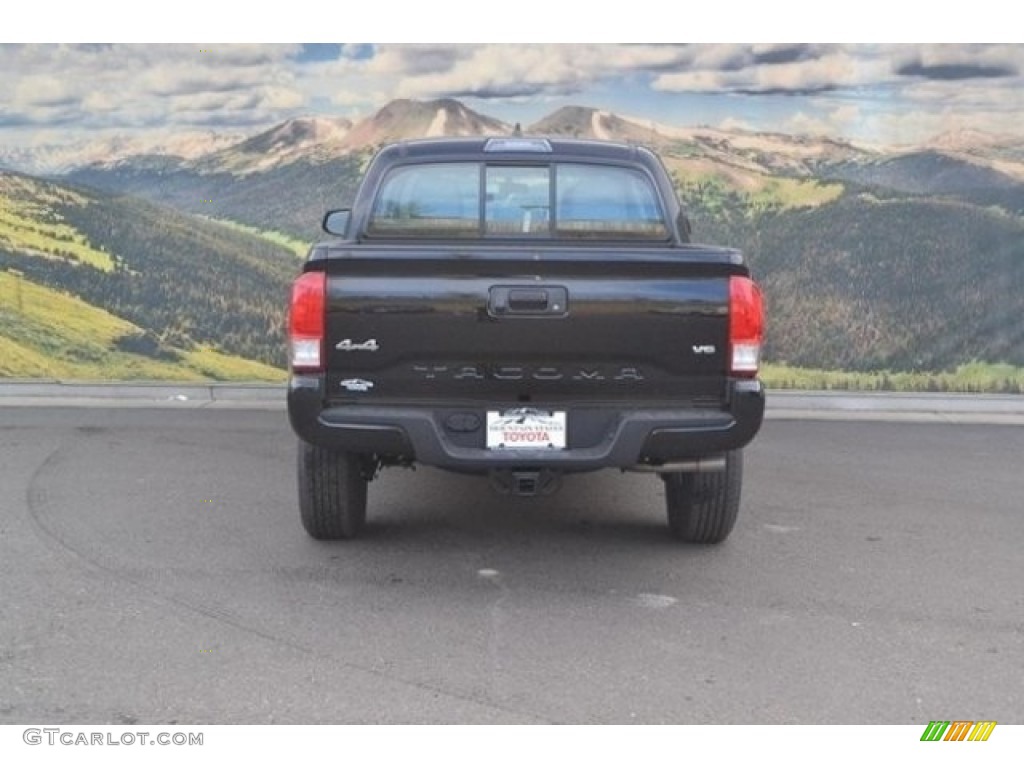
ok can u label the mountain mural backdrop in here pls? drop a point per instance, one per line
(873, 258)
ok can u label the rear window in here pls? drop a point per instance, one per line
(437, 200)
(471, 200)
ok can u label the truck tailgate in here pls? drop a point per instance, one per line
(529, 325)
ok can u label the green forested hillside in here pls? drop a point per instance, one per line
(291, 198)
(882, 283)
(48, 334)
(184, 283)
(935, 174)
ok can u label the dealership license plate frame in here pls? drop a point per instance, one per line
(519, 429)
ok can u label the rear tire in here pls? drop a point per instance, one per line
(332, 492)
(702, 507)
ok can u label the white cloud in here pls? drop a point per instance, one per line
(846, 89)
(277, 97)
(100, 101)
(734, 124)
(1007, 96)
(944, 55)
(42, 90)
(512, 70)
(915, 126)
(133, 85)
(759, 69)
(802, 123)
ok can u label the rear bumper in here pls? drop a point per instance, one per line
(599, 436)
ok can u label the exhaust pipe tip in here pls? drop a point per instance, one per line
(693, 466)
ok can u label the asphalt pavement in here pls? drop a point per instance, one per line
(154, 571)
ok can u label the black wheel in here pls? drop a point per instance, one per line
(332, 492)
(702, 507)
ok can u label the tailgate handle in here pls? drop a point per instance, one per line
(528, 300)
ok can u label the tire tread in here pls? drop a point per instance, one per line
(702, 508)
(332, 493)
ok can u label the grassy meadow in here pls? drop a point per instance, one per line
(48, 334)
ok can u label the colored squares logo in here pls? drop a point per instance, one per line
(958, 730)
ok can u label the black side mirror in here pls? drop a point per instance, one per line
(336, 222)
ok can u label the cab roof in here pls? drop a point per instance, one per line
(515, 148)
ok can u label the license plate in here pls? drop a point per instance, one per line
(526, 428)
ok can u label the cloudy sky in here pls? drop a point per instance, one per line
(884, 93)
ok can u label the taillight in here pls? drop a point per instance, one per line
(746, 326)
(306, 322)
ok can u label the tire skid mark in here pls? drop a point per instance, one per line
(39, 505)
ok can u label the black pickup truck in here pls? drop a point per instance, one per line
(523, 308)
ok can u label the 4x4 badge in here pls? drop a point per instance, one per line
(347, 345)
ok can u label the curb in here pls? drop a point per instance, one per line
(141, 395)
(788, 404)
